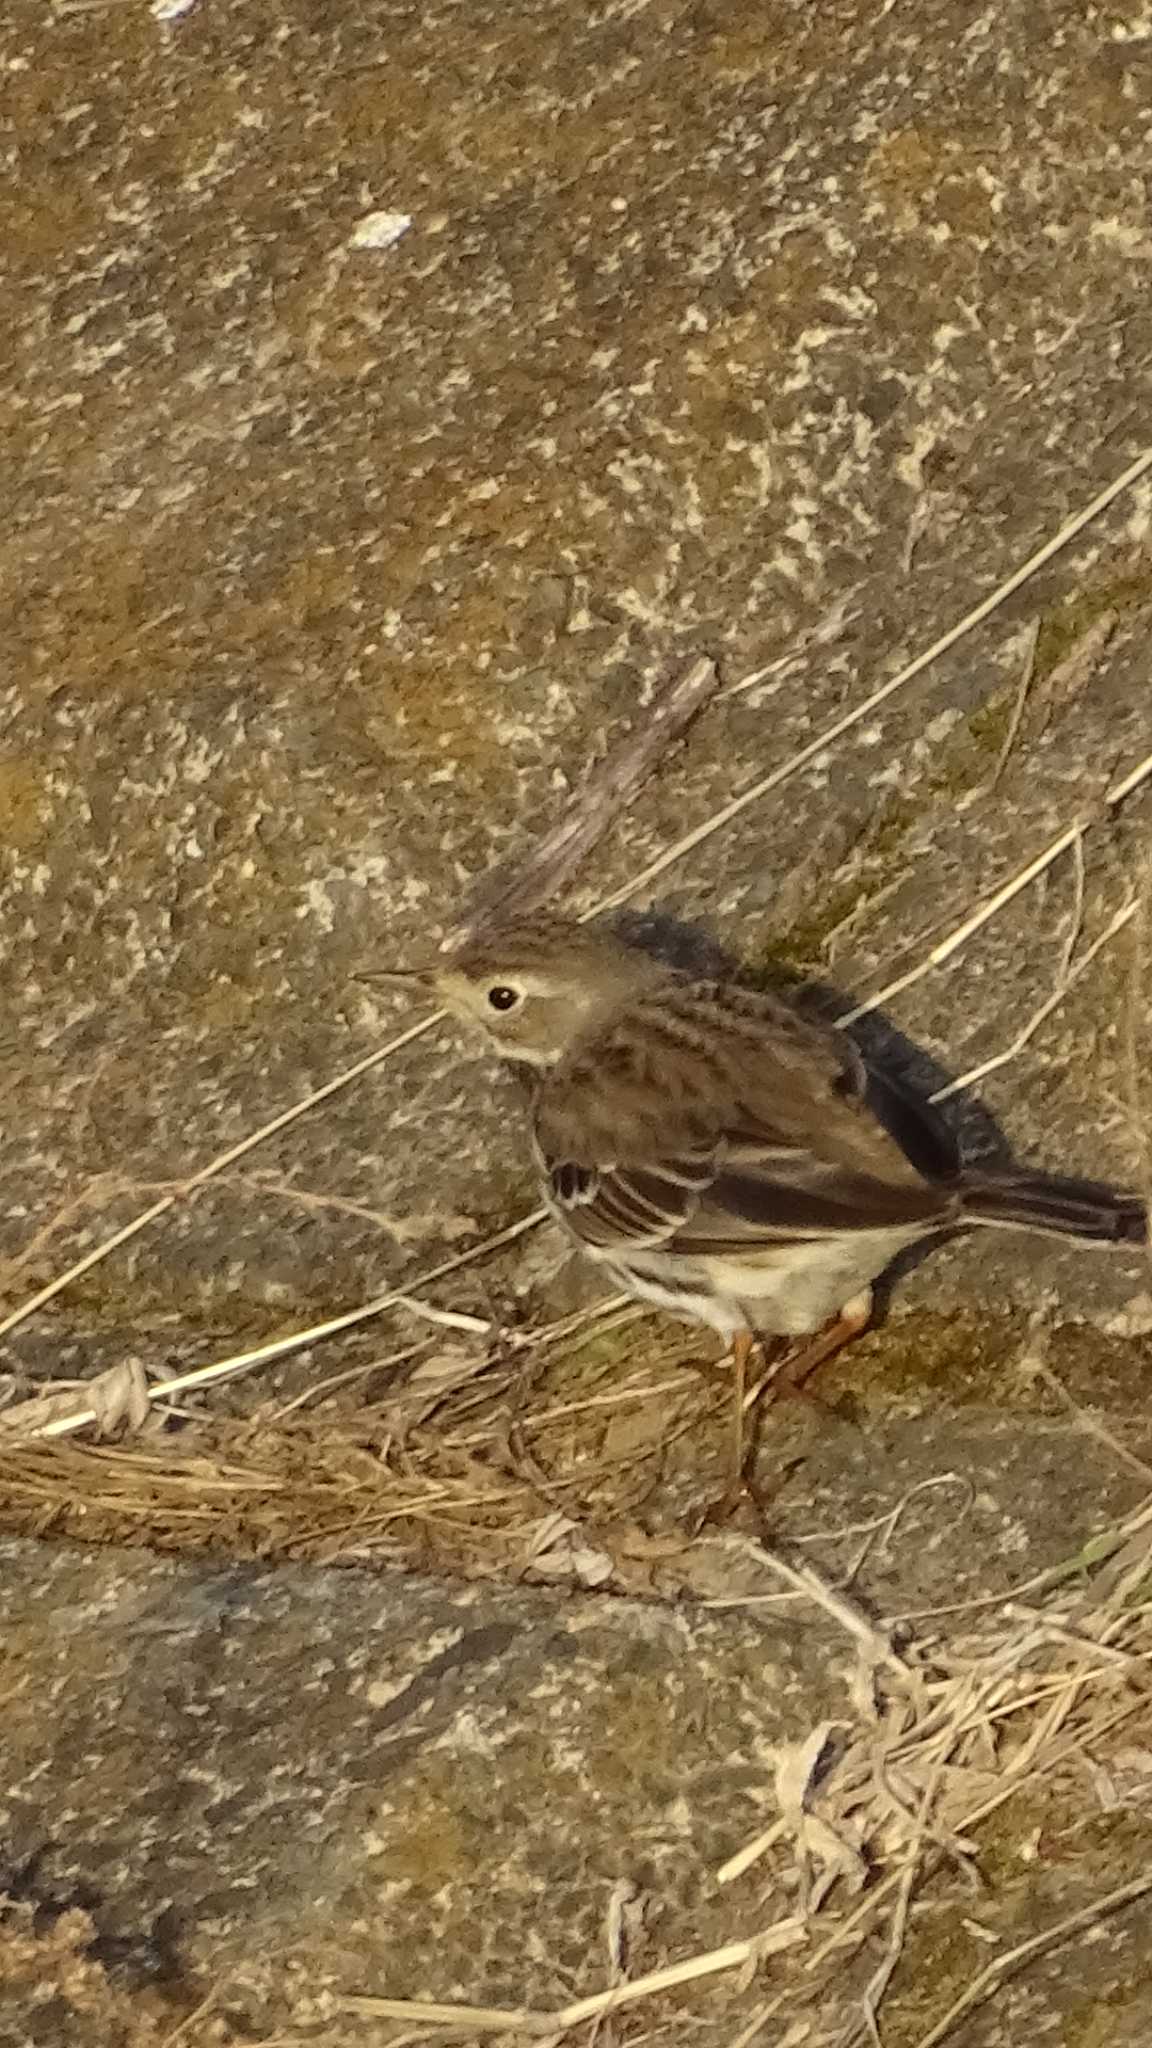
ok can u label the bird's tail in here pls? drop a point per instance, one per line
(1060, 1205)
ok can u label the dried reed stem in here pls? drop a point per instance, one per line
(734, 1955)
(1001, 1968)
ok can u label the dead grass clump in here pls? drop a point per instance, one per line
(481, 1468)
(889, 1802)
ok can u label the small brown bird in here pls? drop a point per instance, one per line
(723, 1155)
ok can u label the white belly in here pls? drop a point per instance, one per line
(785, 1292)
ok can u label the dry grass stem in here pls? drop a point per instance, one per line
(734, 1955)
(864, 710)
(211, 1171)
(824, 633)
(1135, 1031)
(96, 1194)
(1100, 1548)
(802, 1578)
(1076, 917)
(1091, 1424)
(881, 1978)
(1028, 669)
(116, 1394)
(522, 885)
(1071, 674)
(1002, 1967)
(319, 1388)
(944, 949)
(1066, 981)
(757, 2023)
(299, 1340)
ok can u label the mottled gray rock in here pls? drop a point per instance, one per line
(395, 1784)
(296, 1785)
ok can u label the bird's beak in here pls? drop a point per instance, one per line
(397, 977)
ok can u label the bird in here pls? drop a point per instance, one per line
(722, 1153)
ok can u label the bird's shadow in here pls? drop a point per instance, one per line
(968, 1134)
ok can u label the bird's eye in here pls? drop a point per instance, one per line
(503, 998)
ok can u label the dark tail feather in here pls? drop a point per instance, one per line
(1062, 1206)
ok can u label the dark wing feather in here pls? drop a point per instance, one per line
(915, 1124)
(642, 1206)
(711, 1120)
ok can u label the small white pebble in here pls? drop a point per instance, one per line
(379, 230)
(170, 10)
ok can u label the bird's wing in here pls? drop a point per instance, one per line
(616, 1205)
(712, 1120)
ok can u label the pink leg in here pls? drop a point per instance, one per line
(851, 1322)
(743, 1346)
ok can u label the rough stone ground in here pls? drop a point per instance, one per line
(325, 573)
(284, 1787)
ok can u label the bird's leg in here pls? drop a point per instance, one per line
(851, 1322)
(743, 1346)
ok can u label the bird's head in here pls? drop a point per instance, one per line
(534, 986)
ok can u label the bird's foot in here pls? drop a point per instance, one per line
(791, 1375)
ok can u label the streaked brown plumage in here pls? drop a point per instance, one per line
(720, 1153)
